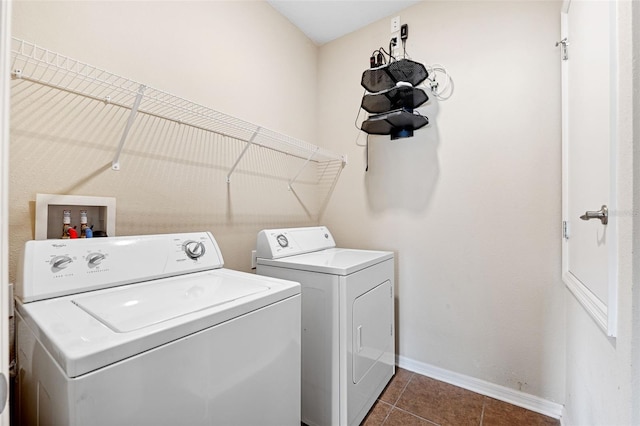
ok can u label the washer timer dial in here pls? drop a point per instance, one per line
(193, 249)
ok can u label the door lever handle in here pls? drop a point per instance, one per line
(602, 214)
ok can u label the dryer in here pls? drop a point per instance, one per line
(348, 344)
(152, 330)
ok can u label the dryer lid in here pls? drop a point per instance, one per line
(335, 261)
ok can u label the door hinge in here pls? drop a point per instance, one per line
(565, 51)
(565, 229)
(4, 392)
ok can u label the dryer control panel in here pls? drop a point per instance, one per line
(52, 268)
(277, 243)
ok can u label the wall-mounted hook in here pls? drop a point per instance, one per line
(565, 52)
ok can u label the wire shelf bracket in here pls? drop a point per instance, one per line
(244, 151)
(293, 179)
(115, 164)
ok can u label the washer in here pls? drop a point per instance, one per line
(348, 345)
(152, 330)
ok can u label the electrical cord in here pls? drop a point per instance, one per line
(391, 49)
(433, 84)
(355, 123)
(378, 55)
(381, 53)
(366, 168)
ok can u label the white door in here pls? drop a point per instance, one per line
(589, 149)
(5, 43)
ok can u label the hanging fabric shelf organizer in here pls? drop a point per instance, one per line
(387, 76)
(399, 123)
(36, 64)
(393, 97)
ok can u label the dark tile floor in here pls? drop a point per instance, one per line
(411, 399)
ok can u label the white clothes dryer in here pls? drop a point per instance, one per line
(152, 330)
(348, 344)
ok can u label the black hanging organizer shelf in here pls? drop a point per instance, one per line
(399, 123)
(392, 98)
(387, 76)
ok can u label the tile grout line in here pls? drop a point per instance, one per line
(388, 414)
(404, 388)
(415, 415)
(397, 399)
(484, 404)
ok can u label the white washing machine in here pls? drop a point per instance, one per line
(152, 330)
(348, 345)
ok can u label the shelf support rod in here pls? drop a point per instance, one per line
(302, 168)
(115, 164)
(244, 151)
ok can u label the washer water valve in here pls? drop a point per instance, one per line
(66, 223)
(85, 230)
(67, 230)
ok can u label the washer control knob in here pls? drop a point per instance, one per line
(95, 259)
(194, 249)
(282, 240)
(60, 262)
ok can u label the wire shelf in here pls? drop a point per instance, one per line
(34, 63)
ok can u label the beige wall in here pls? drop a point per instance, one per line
(238, 57)
(470, 204)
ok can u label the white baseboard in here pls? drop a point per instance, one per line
(502, 393)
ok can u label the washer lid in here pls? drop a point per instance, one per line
(136, 307)
(335, 261)
(83, 339)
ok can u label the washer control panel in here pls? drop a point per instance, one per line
(277, 243)
(52, 268)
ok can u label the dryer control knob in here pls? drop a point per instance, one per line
(282, 240)
(194, 249)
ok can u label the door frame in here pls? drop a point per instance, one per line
(5, 48)
(605, 315)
